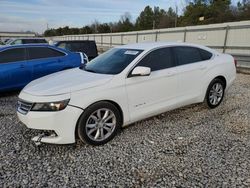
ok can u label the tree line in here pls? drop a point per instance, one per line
(197, 12)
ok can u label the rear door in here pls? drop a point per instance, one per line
(14, 71)
(45, 60)
(191, 67)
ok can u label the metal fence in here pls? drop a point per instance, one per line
(7, 35)
(232, 38)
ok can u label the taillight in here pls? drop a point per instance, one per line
(235, 62)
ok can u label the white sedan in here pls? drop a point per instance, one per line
(124, 85)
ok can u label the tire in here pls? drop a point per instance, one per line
(99, 123)
(215, 93)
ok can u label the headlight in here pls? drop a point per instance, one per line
(50, 106)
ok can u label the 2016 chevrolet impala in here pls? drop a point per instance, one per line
(123, 85)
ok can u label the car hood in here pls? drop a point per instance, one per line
(65, 82)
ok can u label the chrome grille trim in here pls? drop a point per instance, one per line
(23, 106)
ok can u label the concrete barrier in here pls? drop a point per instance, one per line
(231, 37)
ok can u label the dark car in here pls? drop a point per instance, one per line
(85, 46)
(26, 41)
(20, 64)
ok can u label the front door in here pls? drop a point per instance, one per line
(45, 61)
(153, 94)
(14, 72)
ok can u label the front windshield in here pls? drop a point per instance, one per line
(113, 61)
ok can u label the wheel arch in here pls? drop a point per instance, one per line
(224, 82)
(205, 87)
(109, 101)
(222, 78)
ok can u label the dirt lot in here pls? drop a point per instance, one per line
(188, 147)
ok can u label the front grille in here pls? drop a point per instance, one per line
(23, 106)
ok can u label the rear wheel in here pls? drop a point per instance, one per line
(215, 93)
(99, 123)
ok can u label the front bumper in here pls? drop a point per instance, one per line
(62, 122)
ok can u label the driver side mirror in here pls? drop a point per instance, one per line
(141, 71)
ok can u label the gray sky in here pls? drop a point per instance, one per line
(33, 15)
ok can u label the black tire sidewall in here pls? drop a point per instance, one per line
(208, 90)
(81, 126)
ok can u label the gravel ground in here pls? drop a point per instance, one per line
(188, 147)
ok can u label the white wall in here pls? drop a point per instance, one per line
(214, 35)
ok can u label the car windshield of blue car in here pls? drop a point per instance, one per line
(113, 61)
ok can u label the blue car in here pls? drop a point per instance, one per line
(20, 64)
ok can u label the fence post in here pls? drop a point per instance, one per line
(225, 40)
(156, 35)
(110, 40)
(121, 39)
(185, 35)
(137, 37)
(101, 40)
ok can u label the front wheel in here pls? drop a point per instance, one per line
(99, 123)
(215, 93)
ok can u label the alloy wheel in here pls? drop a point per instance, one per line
(216, 93)
(101, 124)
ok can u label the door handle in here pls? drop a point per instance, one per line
(202, 67)
(168, 74)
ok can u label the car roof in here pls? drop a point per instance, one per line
(32, 45)
(152, 45)
(75, 41)
(29, 38)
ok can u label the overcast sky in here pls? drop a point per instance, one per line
(33, 15)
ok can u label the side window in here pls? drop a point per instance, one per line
(186, 55)
(62, 45)
(205, 55)
(12, 55)
(42, 52)
(158, 59)
(74, 47)
(18, 41)
(33, 41)
(41, 41)
(26, 41)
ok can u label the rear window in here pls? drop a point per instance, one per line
(12, 55)
(43, 52)
(205, 55)
(30, 41)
